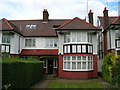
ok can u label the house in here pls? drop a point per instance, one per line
(68, 47)
(109, 37)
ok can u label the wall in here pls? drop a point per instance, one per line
(0, 37)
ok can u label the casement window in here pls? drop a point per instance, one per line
(5, 48)
(51, 42)
(30, 42)
(89, 35)
(6, 39)
(76, 37)
(78, 48)
(67, 38)
(78, 63)
(117, 34)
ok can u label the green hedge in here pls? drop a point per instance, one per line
(21, 73)
(111, 69)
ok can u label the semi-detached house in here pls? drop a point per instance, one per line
(68, 47)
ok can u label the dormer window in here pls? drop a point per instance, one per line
(56, 26)
(31, 26)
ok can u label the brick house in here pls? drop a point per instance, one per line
(68, 47)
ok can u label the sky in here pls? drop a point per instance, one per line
(58, 9)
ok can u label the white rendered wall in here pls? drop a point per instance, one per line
(14, 44)
(94, 41)
(40, 43)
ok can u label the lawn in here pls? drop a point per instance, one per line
(57, 84)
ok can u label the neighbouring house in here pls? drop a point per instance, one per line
(109, 37)
(68, 47)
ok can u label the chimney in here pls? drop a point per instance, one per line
(90, 16)
(119, 8)
(45, 15)
(105, 18)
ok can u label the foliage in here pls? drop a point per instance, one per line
(21, 73)
(111, 68)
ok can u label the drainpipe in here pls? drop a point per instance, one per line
(19, 45)
(110, 38)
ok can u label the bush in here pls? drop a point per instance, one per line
(21, 73)
(111, 69)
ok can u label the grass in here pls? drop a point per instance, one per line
(95, 84)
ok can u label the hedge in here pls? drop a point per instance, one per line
(21, 73)
(111, 69)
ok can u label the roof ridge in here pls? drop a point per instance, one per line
(116, 20)
(7, 23)
(66, 23)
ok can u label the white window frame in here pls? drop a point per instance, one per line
(67, 68)
(32, 44)
(51, 42)
(77, 36)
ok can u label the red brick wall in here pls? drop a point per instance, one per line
(77, 74)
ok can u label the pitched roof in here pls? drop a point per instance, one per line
(111, 19)
(5, 25)
(116, 21)
(77, 23)
(42, 29)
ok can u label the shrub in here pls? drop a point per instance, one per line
(21, 73)
(111, 69)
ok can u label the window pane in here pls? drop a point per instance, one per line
(78, 58)
(78, 37)
(47, 43)
(51, 42)
(73, 65)
(68, 65)
(65, 58)
(84, 58)
(74, 37)
(78, 65)
(67, 38)
(73, 57)
(84, 48)
(68, 48)
(65, 49)
(89, 65)
(78, 48)
(68, 57)
(55, 42)
(84, 65)
(74, 48)
(65, 65)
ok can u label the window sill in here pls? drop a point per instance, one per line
(78, 70)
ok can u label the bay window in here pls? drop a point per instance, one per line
(30, 42)
(78, 63)
(76, 37)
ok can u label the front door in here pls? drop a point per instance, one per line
(50, 67)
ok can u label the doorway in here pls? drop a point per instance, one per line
(50, 66)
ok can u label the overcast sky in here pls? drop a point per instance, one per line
(58, 9)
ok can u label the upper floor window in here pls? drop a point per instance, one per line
(89, 37)
(5, 38)
(31, 26)
(117, 34)
(76, 37)
(30, 42)
(67, 38)
(51, 42)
